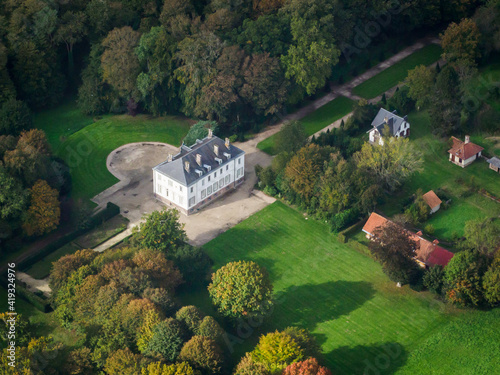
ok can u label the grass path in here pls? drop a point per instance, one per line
(315, 121)
(327, 287)
(396, 73)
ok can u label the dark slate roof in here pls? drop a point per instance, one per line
(175, 169)
(393, 121)
(494, 161)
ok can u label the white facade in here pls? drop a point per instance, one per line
(463, 163)
(203, 189)
(375, 136)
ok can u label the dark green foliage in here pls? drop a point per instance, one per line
(193, 263)
(463, 278)
(433, 279)
(445, 108)
(202, 353)
(167, 341)
(401, 102)
(210, 328)
(161, 231)
(15, 116)
(199, 131)
(190, 316)
(305, 340)
(291, 137)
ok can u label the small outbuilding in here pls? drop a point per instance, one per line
(494, 164)
(432, 201)
(464, 153)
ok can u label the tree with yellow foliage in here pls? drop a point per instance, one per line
(44, 212)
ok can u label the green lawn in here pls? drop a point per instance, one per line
(95, 237)
(340, 295)
(393, 75)
(315, 121)
(86, 145)
(438, 172)
(467, 346)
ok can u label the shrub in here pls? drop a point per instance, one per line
(248, 366)
(308, 367)
(433, 279)
(210, 328)
(199, 131)
(429, 229)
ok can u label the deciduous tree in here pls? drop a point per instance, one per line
(44, 212)
(491, 282)
(120, 66)
(394, 247)
(202, 353)
(275, 351)
(390, 164)
(460, 42)
(291, 137)
(421, 82)
(161, 231)
(482, 235)
(15, 116)
(241, 289)
(166, 341)
(308, 367)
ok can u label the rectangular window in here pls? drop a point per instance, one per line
(227, 167)
(227, 179)
(180, 188)
(216, 186)
(208, 178)
(203, 182)
(209, 190)
(167, 192)
(191, 189)
(237, 173)
(215, 174)
(239, 161)
(203, 193)
(191, 202)
(221, 183)
(221, 171)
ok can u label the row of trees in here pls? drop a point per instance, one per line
(456, 97)
(31, 180)
(210, 59)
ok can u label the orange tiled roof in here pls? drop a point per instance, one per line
(431, 199)
(464, 150)
(374, 221)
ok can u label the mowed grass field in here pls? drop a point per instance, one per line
(439, 172)
(467, 346)
(393, 75)
(315, 121)
(340, 295)
(85, 146)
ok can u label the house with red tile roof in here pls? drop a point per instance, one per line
(464, 153)
(432, 201)
(427, 253)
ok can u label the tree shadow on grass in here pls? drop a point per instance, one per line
(310, 304)
(377, 359)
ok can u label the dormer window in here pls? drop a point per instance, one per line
(218, 160)
(199, 173)
(207, 167)
(227, 155)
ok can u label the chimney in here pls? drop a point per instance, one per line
(198, 159)
(169, 158)
(467, 139)
(210, 133)
(187, 167)
(386, 119)
(228, 144)
(435, 242)
(216, 150)
(419, 233)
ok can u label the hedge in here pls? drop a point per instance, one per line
(110, 211)
(344, 235)
(42, 304)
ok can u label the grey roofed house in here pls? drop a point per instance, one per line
(393, 121)
(176, 170)
(494, 161)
